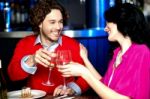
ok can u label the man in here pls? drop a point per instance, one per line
(32, 54)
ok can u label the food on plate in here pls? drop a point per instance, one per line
(26, 93)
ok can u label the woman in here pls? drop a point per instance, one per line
(128, 74)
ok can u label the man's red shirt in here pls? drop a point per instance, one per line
(25, 47)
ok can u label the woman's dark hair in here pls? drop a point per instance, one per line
(41, 9)
(130, 22)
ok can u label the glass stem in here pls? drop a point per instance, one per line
(65, 86)
(49, 75)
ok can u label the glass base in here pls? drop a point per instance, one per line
(48, 84)
(64, 87)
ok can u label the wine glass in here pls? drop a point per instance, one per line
(52, 64)
(63, 58)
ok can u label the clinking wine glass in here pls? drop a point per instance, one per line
(63, 58)
(52, 65)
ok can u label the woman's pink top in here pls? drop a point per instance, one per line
(132, 76)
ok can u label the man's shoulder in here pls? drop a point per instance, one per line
(69, 39)
(70, 42)
(28, 39)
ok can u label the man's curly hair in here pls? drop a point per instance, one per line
(41, 9)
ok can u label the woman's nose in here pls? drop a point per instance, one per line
(105, 29)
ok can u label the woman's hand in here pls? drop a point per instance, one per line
(72, 69)
(83, 52)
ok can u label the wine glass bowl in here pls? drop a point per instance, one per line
(51, 66)
(63, 58)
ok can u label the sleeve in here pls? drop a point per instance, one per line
(139, 80)
(76, 88)
(26, 68)
(143, 77)
(14, 67)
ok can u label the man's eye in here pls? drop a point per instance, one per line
(52, 22)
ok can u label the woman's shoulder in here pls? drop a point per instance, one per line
(135, 49)
(141, 48)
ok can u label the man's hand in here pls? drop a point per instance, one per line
(41, 56)
(60, 91)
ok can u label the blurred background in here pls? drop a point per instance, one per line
(84, 14)
(86, 24)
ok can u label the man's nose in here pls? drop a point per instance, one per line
(58, 26)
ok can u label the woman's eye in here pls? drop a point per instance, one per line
(61, 21)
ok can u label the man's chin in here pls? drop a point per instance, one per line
(54, 40)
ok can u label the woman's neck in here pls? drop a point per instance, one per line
(125, 43)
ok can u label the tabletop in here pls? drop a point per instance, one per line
(72, 97)
(90, 94)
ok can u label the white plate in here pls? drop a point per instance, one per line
(17, 94)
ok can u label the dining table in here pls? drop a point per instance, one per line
(90, 94)
(39, 94)
(72, 97)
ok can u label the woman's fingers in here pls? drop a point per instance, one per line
(66, 70)
(83, 52)
(73, 69)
